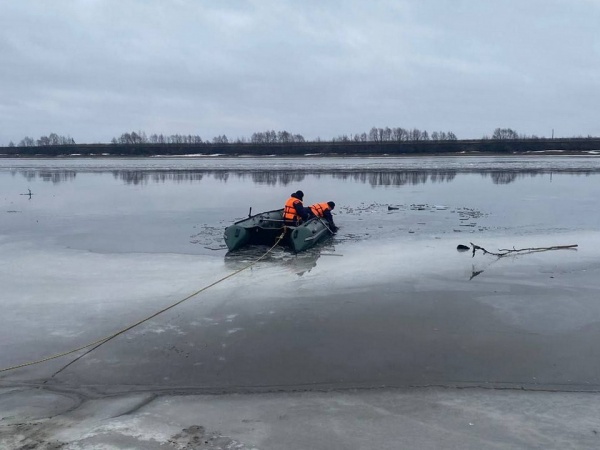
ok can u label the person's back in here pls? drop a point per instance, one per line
(293, 211)
(324, 210)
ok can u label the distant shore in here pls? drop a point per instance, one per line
(482, 147)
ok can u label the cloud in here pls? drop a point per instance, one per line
(95, 69)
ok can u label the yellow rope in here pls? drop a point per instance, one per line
(114, 335)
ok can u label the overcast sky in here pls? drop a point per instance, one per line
(94, 69)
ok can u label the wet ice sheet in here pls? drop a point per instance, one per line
(388, 300)
(425, 418)
(354, 314)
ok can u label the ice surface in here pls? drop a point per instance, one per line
(422, 418)
(387, 302)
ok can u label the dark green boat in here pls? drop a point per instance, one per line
(265, 228)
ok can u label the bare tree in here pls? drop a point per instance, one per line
(220, 140)
(399, 134)
(284, 136)
(43, 140)
(386, 134)
(505, 133)
(257, 138)
(374, 135)
(27, 142)
(271, 137)
(341, 138)
(414, 134)
(55, 139)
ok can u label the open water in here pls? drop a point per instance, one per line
(181, 205)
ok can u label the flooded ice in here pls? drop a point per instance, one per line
(387, 302)
(101, 243)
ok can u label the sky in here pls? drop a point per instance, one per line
(94, 69)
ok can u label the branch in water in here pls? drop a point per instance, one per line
(504, 251)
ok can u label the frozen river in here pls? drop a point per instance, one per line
(388, 302)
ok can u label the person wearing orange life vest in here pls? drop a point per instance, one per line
(324, 210)
(294, 211)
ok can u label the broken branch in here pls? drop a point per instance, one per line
(503, 251)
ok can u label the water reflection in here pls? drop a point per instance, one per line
(507, 177)
(285, 178)
(503, 177)
(156, 176)
(53, 176)
(398, 178)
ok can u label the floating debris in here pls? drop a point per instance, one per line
(29, 194)
(523, 251)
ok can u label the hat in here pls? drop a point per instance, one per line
(299, 194)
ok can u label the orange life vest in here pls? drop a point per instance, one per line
(319, 209)
(289, 212)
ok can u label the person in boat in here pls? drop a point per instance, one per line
(294, 212)
(324, 210)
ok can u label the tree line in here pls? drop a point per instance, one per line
(285, 137)
(375, 135)
(51, 139)
(266, 137)
(398, 134)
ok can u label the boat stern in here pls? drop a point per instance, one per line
(308, 234)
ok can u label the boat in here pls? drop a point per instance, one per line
(267, 227)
